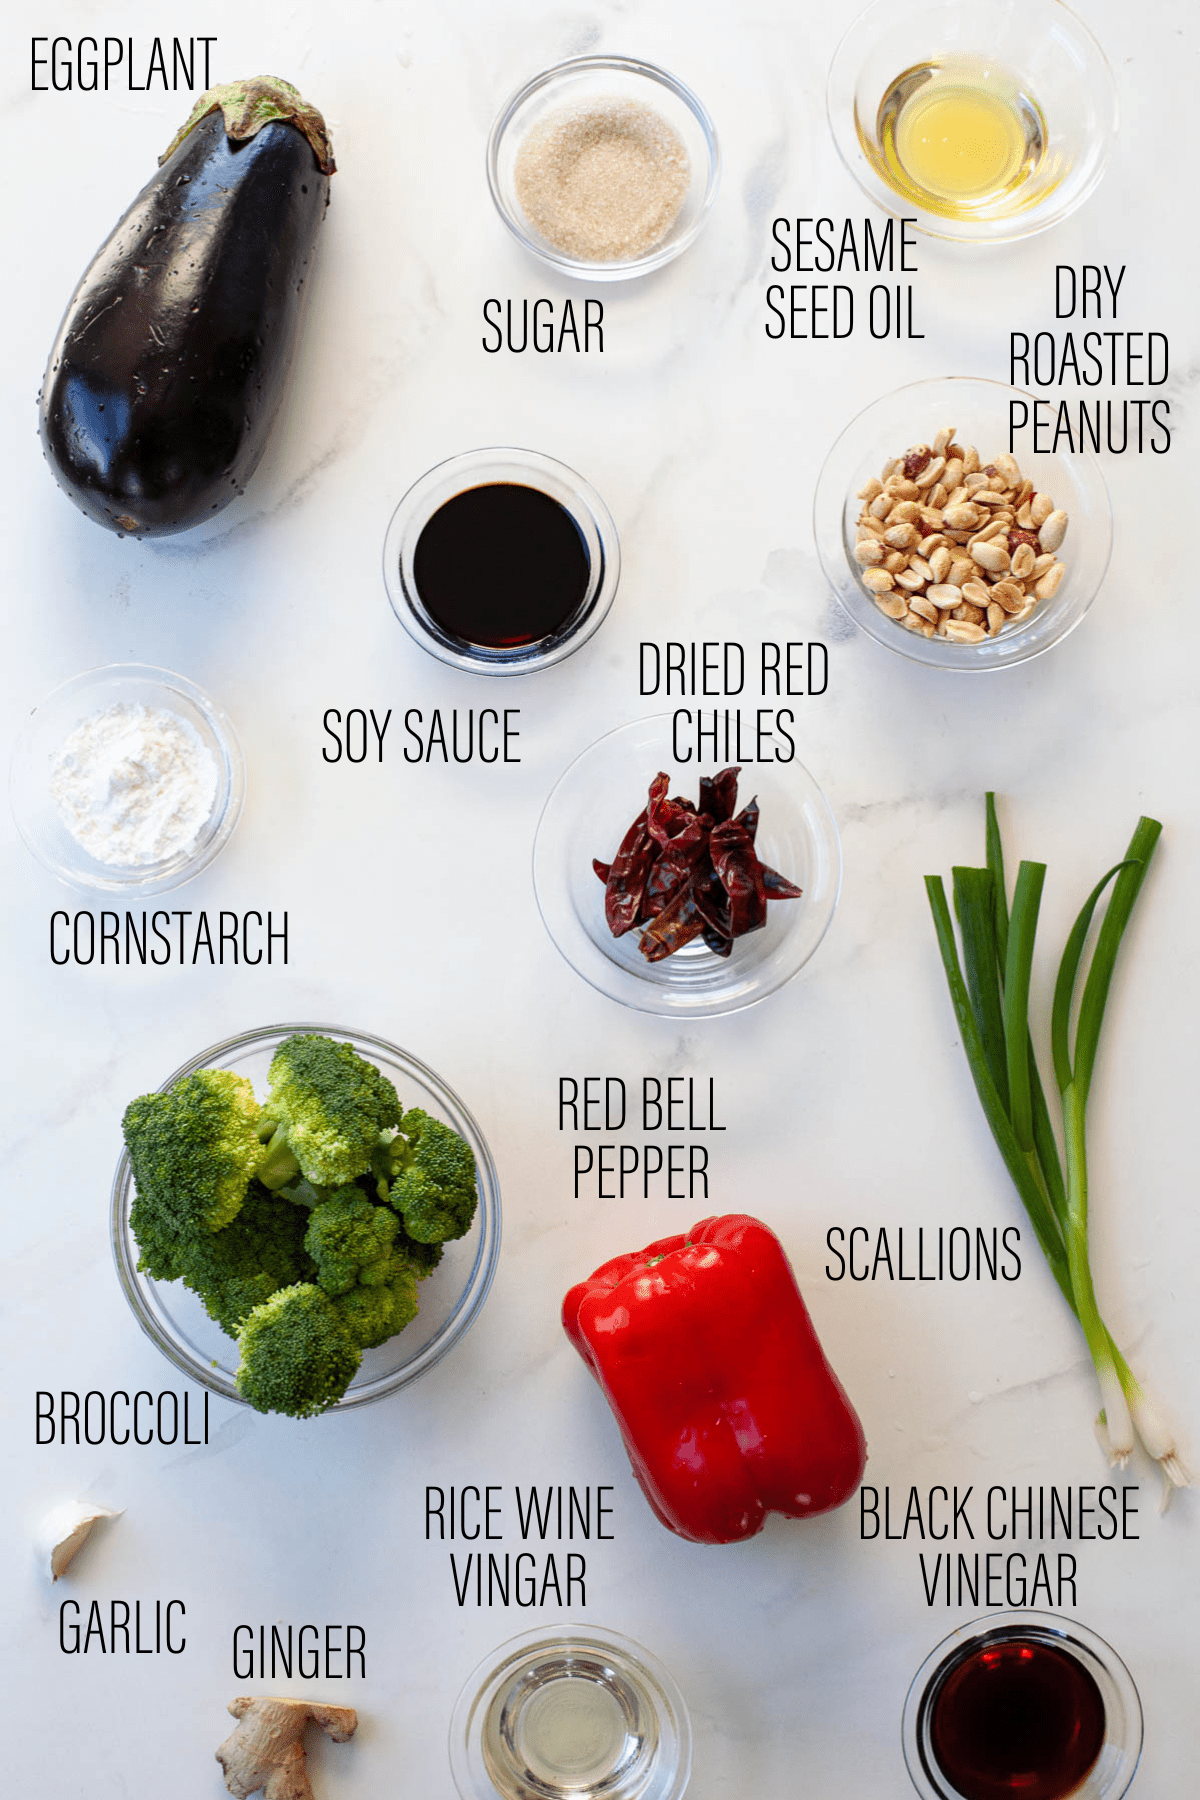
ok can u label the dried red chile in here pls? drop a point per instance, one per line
(682, 873)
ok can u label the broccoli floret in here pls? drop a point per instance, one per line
(237, 1268)
(423, 1257)
(350, 1240)
(194, 1151)
(435, 1191)
(295, 1356)
(370, 1313)
(326, 1109)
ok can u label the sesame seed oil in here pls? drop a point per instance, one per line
(960, 137)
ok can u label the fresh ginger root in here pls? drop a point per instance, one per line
(267, 1748)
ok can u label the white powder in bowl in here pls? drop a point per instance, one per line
(604, 182)
(133, 784)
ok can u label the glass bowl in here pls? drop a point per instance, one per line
(588, 814)
(590, 80)
(978, 410)
(576, 1712)
(450, 1298)
(1115, 1767)
(49, 725)
(521, 468)
(1050, 57)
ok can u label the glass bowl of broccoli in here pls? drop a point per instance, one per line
(304, 1218)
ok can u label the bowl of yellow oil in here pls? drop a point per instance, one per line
(984, 122)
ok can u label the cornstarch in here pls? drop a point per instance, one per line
(134, 784)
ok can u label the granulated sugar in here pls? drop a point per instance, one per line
(134, 784)
(603, 182)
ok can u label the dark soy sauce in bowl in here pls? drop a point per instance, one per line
(1017, 1719)
(501, 565)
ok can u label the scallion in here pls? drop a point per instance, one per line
(990, 994)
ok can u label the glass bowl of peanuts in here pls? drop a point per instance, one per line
(952, 531)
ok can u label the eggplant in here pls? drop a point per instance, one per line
(172, 360)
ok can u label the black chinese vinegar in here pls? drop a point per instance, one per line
(501, 565)
(1017, 1720)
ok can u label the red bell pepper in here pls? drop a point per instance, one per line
(705, 1352)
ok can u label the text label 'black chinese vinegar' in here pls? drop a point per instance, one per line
(501, 565)
(1017, 1721)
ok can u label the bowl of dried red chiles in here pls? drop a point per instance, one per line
(686, 888)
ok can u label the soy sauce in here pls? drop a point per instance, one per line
(501, 565)
(1017, 1720)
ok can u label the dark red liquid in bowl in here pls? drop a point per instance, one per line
(501, 565)
(1017, 1720)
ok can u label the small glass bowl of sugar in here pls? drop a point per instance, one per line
(127, 780)
(604, 167)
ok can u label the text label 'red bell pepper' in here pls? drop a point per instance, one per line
(708, 1358)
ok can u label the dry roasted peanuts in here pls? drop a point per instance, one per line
(972, 546)
(959, 631)
(1008, 594)
(1053, 530)
(990, 556)
(1047, 587)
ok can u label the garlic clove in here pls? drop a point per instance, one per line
(64, 1531)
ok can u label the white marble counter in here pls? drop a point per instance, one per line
(846, 1094)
